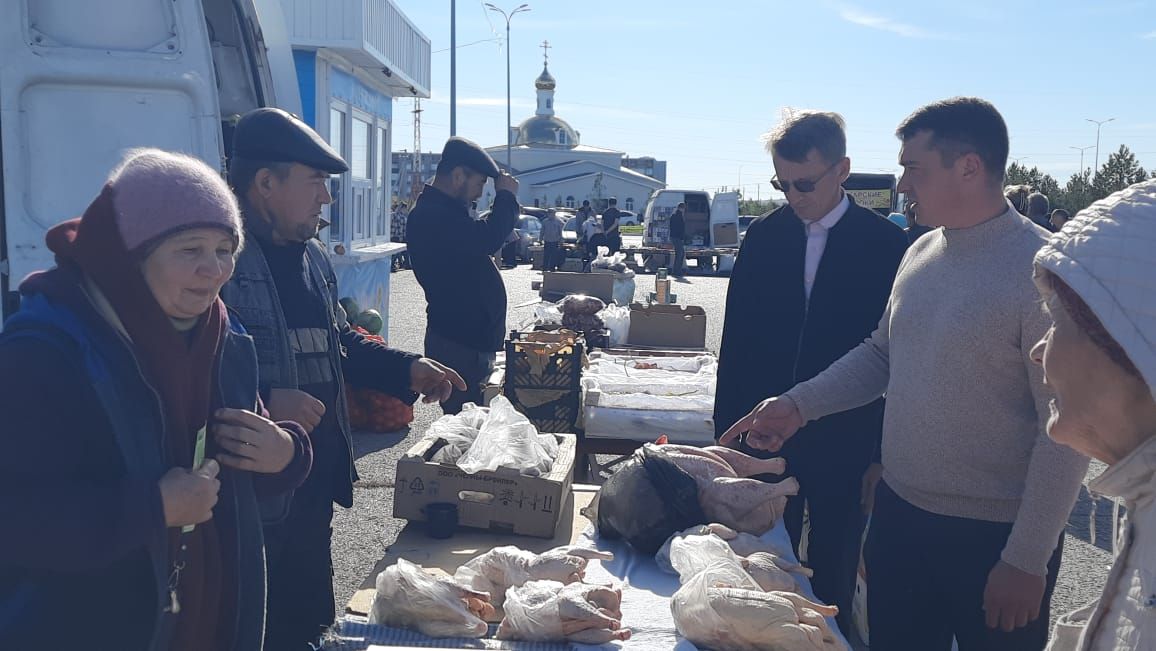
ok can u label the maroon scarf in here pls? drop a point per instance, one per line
(182, 369)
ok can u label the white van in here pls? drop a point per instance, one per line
(81, 82)
(712, 224)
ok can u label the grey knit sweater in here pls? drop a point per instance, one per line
(964, 430)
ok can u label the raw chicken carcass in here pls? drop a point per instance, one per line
(408, 597)
(549, 611)
(717, 612)
(726, 492)
(772, 572)
(501, 568)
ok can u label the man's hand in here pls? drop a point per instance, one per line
(1012, 597)
(768, 426)
(506, 182)
(188, 496)
(870, 482)
(297, 406)
(434, 380)
(251, 442)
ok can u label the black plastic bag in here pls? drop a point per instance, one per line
(648, 499)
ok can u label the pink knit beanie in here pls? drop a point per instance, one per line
(157, 193)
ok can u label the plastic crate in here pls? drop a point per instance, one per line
(558, 415)
(530, 363)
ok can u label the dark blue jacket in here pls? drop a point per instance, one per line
(84, 557)
(251, 295)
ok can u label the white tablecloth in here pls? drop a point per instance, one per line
(646, 593)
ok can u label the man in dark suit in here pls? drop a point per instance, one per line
(810, 283)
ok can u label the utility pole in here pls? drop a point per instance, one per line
(1081, 150)
(1098, 123)
(417, 180)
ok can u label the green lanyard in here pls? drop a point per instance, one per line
(198, 459)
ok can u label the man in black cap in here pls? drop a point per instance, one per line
(450, 254)
(284, 292)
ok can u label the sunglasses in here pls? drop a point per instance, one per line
(802, 185)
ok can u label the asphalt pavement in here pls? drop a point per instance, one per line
(361, 534)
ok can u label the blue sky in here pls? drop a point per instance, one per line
(696, 83)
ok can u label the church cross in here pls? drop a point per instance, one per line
(545, 51)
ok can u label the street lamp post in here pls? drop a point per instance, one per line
(453, 68)
(1098, 123)
(1081, 150)
(509, 123)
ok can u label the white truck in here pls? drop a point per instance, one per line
(712, 228)
(83, 81)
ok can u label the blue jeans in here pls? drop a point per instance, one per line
(679, 267)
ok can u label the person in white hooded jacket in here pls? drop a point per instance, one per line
(1098, 278)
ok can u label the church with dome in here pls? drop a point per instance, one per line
(554, 168)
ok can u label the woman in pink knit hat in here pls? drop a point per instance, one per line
(1098, 277)
(135, 449)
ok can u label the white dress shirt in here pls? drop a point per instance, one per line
(817, 241)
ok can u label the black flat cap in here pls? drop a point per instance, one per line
(270, 134)
(466, 153)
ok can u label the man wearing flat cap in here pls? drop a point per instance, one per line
(450, 255)
(284, 292)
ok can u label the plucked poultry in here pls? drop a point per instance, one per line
(666, 488)
(726, 492)
(408, 597)
(549, 611)
(722, 607)
(502, 568)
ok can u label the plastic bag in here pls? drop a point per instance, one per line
(532, 612)
(501, 568)
(689, 555)
(458, 431)
(615, 263)
(723, 608)
(507, 439)
(616, 318)
(545, 314)
(548, 611)
(410, 598)
(646, 500)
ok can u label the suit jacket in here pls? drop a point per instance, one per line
(773, 338)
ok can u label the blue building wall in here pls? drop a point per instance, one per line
(306, 63)
(345, 86)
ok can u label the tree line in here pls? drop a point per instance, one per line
(1118, 172)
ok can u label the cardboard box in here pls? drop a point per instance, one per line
(503, 500)
(725, 235)
(667, 326)
(573, 265)
(556, 284)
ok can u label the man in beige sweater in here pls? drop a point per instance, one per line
(966, 533)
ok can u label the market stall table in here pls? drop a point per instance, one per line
(646, 589)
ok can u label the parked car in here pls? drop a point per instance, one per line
(570, 231)
(529, 230)
(627, 218)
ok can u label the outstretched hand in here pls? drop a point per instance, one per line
(434, 380)
(767, 426)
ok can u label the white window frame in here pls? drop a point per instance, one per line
(342, 197)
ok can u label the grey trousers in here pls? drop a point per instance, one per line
(474, 366)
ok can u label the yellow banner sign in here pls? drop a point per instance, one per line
(874, 199)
